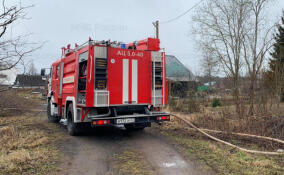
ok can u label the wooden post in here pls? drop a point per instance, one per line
(156, 25)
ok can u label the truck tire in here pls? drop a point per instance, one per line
(72, 128)
(51, 118)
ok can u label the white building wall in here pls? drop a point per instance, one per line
(8, 77)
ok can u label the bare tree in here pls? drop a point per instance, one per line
(236, 32)
(220, 27)
(257, 42)
(13, 49)
(209, 64)
(31, 68)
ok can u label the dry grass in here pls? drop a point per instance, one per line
(17, 98)
(26, 150)
(27, 142)
(265, 122)
(225, 119)
(219, 158)
(223, 159)
(184, 105)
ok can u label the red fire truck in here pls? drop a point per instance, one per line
(103, 83)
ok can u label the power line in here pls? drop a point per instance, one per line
(184, 13)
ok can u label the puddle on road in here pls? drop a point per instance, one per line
(176, 164)
(168, 165)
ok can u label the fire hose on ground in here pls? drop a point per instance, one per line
(230, 144)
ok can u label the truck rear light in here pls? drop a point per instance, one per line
(163, 118)
(101, 122)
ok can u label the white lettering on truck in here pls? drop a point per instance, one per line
(129, 53)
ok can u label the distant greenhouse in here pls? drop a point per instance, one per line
(180, 80)
(176, 71)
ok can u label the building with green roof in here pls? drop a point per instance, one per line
(180, 80)
(176, 71)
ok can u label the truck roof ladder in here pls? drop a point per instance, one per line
(158, 81)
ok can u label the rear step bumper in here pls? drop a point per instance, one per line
(156, 114)
(134, 119)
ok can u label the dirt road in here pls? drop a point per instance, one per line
(94, 154)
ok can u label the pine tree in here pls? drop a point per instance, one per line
(278, 47)
(275, 75)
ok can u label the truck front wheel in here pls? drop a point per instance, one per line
(72, 128)
(51, 118)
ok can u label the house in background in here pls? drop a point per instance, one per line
(29, 81)
(180, 80)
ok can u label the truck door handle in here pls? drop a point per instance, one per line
(91, 67)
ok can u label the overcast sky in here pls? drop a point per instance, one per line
(59, 22)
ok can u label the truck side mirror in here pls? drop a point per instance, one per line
(42, 72)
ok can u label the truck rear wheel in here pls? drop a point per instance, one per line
(51, 118)
(72, 128)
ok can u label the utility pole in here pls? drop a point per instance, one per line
(156, 25)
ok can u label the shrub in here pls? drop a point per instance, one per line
(216, 102)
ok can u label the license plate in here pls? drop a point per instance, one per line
(126, 120)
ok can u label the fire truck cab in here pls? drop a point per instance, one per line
(103, 83)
